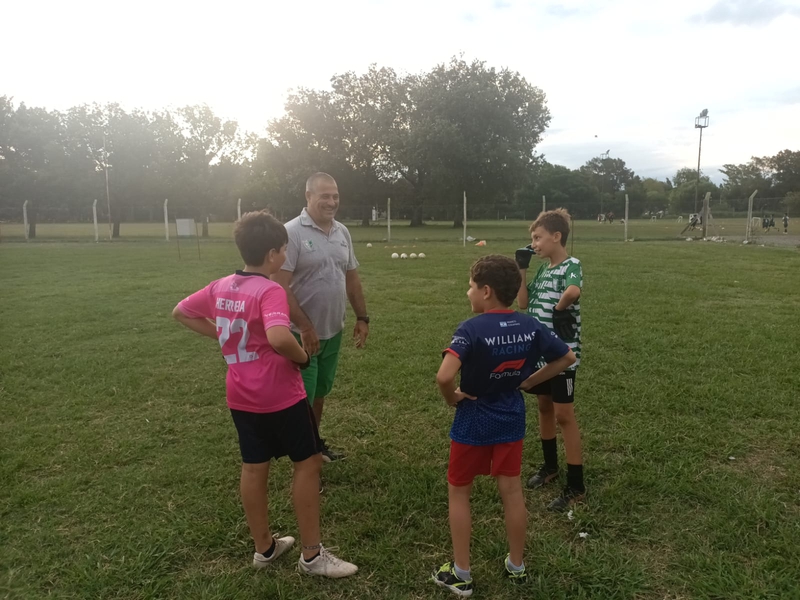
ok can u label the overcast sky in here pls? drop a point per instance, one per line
(634, 73)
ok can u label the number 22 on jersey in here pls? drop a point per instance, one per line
(226, 328)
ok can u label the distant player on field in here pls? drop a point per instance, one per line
(785, 223)
(497, 352)
(553, 297)
(249, 315)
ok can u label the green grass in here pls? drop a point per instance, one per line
(492, 231)
(119, 463)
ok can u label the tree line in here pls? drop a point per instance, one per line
(421, 139)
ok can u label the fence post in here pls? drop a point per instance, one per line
(25, 218)
(626, 217)
(748, 231)
(94, 218)
(239, 208)
(465, 218)
(166, 219)
(705, 213)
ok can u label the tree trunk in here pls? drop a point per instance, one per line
(115, 230)
(366, 214)
(458, 222)
(32, 224)
(205, 227)
(416, 217)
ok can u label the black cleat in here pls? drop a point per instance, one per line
(542, 477)
(329, 455)
(566, 500)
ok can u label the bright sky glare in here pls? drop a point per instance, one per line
(624, 75)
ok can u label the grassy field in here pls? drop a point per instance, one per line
(492, 231)
(119, 463)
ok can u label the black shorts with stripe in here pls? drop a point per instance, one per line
(561, 388)
(289, 432)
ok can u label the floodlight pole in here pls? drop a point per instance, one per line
(700, 123)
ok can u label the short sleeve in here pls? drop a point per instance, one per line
(198, 305)
(292, 252)
(550, 347)
(461, 344)
(352, 263)
(573, 275)
(275, 307)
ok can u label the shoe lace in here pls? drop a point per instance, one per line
(330, 558)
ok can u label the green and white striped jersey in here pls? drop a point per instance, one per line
(546, 289)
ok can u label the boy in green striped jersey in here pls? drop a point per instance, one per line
(553, 297)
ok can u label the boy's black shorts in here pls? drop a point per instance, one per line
(561, 388)
(289, 432)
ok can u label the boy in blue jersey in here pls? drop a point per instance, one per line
(496, 352)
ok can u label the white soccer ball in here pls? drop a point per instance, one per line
(412, 255)
(421, 255)
(395, 255)
(369, 245)
(404, 255)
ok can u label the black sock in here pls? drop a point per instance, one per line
(270, 551)
(550, 451)
(575, 477)
(308, 560)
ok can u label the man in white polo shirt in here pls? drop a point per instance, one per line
(320, 275)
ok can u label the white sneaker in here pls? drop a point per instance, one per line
(326, 565)
(281, 545)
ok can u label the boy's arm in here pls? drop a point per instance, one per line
(200, 325)
(446, 380)
(569, 297)
(308, 334)
(549, 371)
(284, 343)
(522, 294)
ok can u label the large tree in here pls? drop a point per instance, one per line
(461, 127)
(207, 140)
(562, 187)
(682, 196)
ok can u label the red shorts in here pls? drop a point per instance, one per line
(468, 461)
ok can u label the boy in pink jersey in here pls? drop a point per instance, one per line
(249, 315)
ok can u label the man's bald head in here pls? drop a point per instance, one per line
(316, 179)
(322, 197)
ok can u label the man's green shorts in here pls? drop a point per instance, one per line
(318, 377)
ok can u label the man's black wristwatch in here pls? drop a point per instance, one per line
(365, 318)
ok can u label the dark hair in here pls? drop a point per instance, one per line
(500, 273)
(256, 233)
(554, 221)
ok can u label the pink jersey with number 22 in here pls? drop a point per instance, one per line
(244, 306)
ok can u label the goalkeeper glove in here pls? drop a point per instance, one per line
(563, 325)
(523, 256)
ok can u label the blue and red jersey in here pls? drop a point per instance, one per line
(498, 350)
